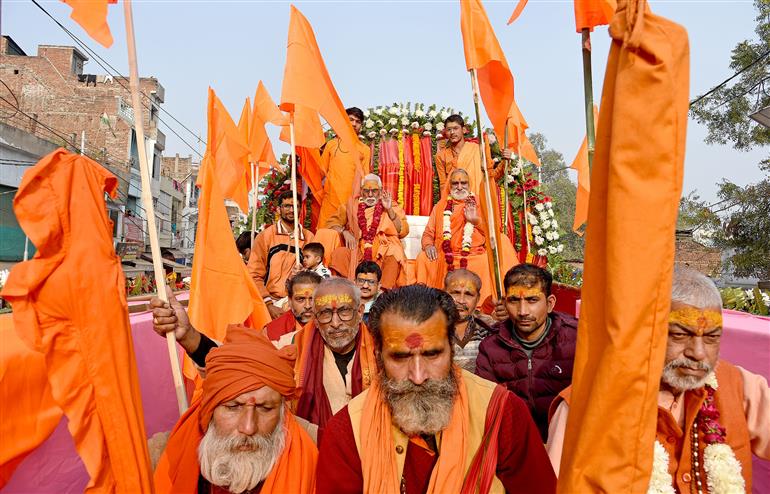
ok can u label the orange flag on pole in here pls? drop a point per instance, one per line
(592, 13)
(580, 164)
(483, 53)
(629, 256)
(265, 110)
(69, 304)
(517, 11)
(517, 137)
(229, 152)
(92, 17)
(306, 81)
(221, 291)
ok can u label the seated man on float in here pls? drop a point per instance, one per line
(425, 425)
(240, 435)
(712, 415)
(372, 226)
(367, 280)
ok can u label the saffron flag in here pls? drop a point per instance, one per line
(265, 110)
(517, 11)
(629, 258)
(483, 53)
(517, 137)
(221, 290)
(77, 318)
(306, 81)
(229, 152)
(92, 17)
(592, 13)
(581, 165)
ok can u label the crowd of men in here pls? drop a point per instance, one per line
(364, 384)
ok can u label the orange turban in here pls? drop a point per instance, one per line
(246, 361)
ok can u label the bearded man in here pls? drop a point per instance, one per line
(372, 227)
(425, 425)
(465, 289)
(712, 415)
(240, 436)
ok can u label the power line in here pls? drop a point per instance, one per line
(117, 78)
(744, 69)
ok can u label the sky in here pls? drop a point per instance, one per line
(381, 52)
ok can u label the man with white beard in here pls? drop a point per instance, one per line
(712, 415)
(240, 436)
(425, 425)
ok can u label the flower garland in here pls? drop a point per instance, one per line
(367, 234)
(416, 159)
(400, 168)
(446, 237)
(723, 470)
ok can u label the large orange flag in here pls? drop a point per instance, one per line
(483, 53)
(265, 110)
(92, 17)
(306, 81)
(221, 291)
(580, 164)
(517, 136)
(629, 256)
(229, 152)
(592, 13)
(69, 304)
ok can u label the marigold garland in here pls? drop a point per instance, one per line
(367, 234)
(417, 164)
(401, 168)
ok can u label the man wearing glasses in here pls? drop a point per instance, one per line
(272, 259)
(372, 226)
(368, 276)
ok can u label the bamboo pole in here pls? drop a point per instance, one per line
(144, 171)
(505, 179)
(294, 187)
(255, 191)
(588, 90)
(488, 189)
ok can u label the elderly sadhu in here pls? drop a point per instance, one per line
(240, 436)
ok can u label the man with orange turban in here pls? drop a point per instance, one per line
(425, 425)
(240, 436)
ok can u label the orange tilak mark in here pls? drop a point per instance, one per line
(696, 320)
(333, 299)
(462, 283)
(520, 291)
(372, 184)
(303, 292)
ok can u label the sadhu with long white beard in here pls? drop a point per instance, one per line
(239, 436)
(425, 425)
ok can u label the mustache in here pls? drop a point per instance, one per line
(689, 363)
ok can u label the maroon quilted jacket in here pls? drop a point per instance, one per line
(536, 380)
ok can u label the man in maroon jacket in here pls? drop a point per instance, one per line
(533, 350)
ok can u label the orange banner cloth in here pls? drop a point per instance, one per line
(517, 11)
(78, 318)
(592, 13)
(306, 81)
(265, 110)
(483, 53)
(518, 141)
(28, 418)
(92, 17)
(580, 164)
(221, 291)
(623, 320)
(245, 362)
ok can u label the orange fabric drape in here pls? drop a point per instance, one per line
(580, 164)
(221, 291)
(306, 81)
(623, 319)
(517, 11)
(77, 317)
(592, 13)
(483, 53)
(92, 17)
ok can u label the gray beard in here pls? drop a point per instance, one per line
(238, 471)
(421, 408)
(458, 197)
(685, 383)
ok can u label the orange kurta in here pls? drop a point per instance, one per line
(272, 258)
(339, 166)
(469, 159)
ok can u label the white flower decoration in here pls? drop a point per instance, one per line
(444, 115)
(536, 230)
(380, 123)
(542, 252)
(516, 170)
(440, 126)
(394, 131)
(383, 132)
(539, 206)
(552, 249)
(539, 240)
(660, 480)
(378, 110)
(551, 213)
(560, 248)
(432, 114)
(532, 219)
(546, 223)
(415, 125)
(419, 113)
(405, 121)
(548, 204)
(369, 123)
(549, 235)
(395, 110)
(428, 126)
(556, 235)
(723, 470)
(372, 134)
(554, 224)
(426, 133)
(393, 121)
(366, 113)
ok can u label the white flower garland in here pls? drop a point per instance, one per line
(723, 470)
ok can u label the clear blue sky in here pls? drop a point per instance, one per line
(378, 52)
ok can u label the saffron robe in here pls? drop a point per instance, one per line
(469, 159)
(522, 464)
(339, 166)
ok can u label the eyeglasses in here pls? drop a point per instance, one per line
(344, 313)
(362, 281)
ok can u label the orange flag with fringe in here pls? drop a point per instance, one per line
(483, 53)
(623, 327)
(69, 304)
(580, 164)
(92, 17)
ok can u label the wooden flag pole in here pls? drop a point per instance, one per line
(488, 189)
(505, 179)
(144, 171)
(588, 90)
(294, 187)
(524, 193)
(255, 191)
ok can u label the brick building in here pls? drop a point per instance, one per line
(689, 252)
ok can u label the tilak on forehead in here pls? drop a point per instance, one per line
(407, 338)
(333, 299)
(372, 184)
(697, 320)
(462, 282)
(306, 291)
(521, 291)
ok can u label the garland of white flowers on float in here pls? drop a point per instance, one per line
(723, 470)
(446, 236)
